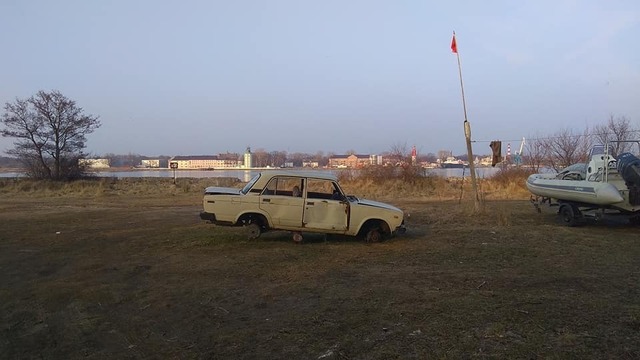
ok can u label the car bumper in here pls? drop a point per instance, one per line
(400, 230)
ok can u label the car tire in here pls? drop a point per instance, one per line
(252, 230)
(373, 235)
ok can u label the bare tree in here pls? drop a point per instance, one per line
(534, 153)
(321, 158)
(399, 153)
(443, 154)
(260, 158)
(298, 157)
(50, 132)
(565, 148)
(616, 129)
(399, 150)
(277, 158)
(430, 157)
(327, 158)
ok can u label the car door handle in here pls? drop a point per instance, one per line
(266, 200)
(310, 203)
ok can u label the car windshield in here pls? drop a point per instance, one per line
(601, 149)
(249, 185)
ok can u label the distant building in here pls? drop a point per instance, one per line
(311, 164)
(248, 160)
(205, 162)
(94, 163)
(414, 155)
(150, 163)
(485, 161)
(353, 161)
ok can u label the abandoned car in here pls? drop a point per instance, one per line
(300, 201)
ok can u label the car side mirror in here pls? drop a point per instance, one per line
(338, 196)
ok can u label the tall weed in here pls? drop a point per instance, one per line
(376, 182)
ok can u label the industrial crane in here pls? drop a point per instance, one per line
(518, 155)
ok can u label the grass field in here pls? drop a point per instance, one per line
(126, 269)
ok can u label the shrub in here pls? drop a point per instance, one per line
(509, 176)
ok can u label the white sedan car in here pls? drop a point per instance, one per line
(300, 201)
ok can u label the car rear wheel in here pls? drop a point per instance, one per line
(252, 231)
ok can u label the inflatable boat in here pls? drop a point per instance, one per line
(606, 183)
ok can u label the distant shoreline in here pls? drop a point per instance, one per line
(10, 170)
(128, 168)
(115, 169)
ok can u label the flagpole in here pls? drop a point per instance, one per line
(467, 128)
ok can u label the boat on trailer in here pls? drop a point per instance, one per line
(607, 185)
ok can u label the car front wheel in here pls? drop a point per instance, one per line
(373, 235)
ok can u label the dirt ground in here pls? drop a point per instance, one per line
(144, 277)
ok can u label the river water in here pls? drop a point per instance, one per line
(246, 175)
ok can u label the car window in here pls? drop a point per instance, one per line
(249, 185)
(321, 189)
(284, 186)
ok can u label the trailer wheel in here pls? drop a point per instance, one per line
(570, 215)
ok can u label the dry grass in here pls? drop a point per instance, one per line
(110, 186)
(127, 270)
(436, 189)
(382, 184)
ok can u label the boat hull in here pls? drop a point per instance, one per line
(452, 166)
(589, 192)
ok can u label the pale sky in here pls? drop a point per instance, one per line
(204, 77)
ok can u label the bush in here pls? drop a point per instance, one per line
(379, 173)
(509, 176)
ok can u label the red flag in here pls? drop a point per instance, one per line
(454, 46)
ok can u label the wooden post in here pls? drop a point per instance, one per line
(467, 129)
(174, 165)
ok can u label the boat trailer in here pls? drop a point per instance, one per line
(572, 213)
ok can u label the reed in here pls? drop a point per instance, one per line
(111, 186)
(377, 183)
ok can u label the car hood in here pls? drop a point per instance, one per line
(366, 202)
(213, 190)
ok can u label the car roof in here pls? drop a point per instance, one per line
(324, 175)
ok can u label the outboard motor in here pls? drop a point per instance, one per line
(629, 169)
